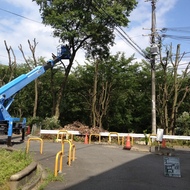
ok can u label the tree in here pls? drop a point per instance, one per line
(172, 90)
(23, 101)
(122, 94)
(129, 108)
(7, 73)
(31, 64)
(101, 93)
(183, 122)
(86, 24)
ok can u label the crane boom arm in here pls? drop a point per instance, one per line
(9, 90)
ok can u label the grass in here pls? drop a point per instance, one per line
(50, 178)
(11, 162)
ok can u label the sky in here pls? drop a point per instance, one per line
(16, 30)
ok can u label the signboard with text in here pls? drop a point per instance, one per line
(172, 167)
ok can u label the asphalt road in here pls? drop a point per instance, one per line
(109, 167)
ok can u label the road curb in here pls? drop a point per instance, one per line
(28, 178)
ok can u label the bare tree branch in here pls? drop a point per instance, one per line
(12, 64)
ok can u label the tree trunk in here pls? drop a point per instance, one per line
(104, 101)
(94, 95)
(12, 64)
(32, 49)
(62, 89)
(176, 88)
(36, 98)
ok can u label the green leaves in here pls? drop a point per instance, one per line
(129, 105)
(87, 24)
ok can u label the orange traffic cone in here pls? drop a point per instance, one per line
(28, 130)
(163, 143)
(128, 144)
(86, 139)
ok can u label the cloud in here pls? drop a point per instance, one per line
(163, 7)
(139, 28)
(17, 30)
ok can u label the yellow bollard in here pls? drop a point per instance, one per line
(61, 134)
(60, 162)
(34, 138)
(72, 151)
(94, 135)
(115, 134)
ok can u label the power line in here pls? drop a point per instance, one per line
(123, 34)
(176, 29)
(130, 42)
(176, 37)
(19, 15)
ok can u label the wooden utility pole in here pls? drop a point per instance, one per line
(154, 52)
(153, 61)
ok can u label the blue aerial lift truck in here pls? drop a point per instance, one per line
(9, 124)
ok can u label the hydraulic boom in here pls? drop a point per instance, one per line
(9, 90)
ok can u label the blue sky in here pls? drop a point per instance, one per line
(17, 30)
(179, 17)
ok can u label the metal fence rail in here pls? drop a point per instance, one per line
(115, 134)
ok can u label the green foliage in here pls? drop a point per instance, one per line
(129, 101)
(146, 138)
(181, 143)
(86, 24)
(129, 104)
(4, 74)
(51, 123)
(22, 101)
(183, 124)
(50, 178)
(11, 163)
(34, 120)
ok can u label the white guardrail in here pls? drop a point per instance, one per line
(55, 132)
(106, 134)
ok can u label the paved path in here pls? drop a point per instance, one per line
(106, 167)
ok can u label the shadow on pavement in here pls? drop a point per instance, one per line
(16, 139)
(101, 167)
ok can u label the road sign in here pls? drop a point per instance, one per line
(172, 167)
(159, 135)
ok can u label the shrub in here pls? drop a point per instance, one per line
(34, 120)
(51, 123)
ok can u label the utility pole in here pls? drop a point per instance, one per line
(153, 52)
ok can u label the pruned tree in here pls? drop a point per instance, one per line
(100, 96)
(12, 64)
(86, 24)
(31, 65)
(172, 91)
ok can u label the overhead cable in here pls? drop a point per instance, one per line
(19, 15)
(176, 37)
(176, 29)
(123, 33)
